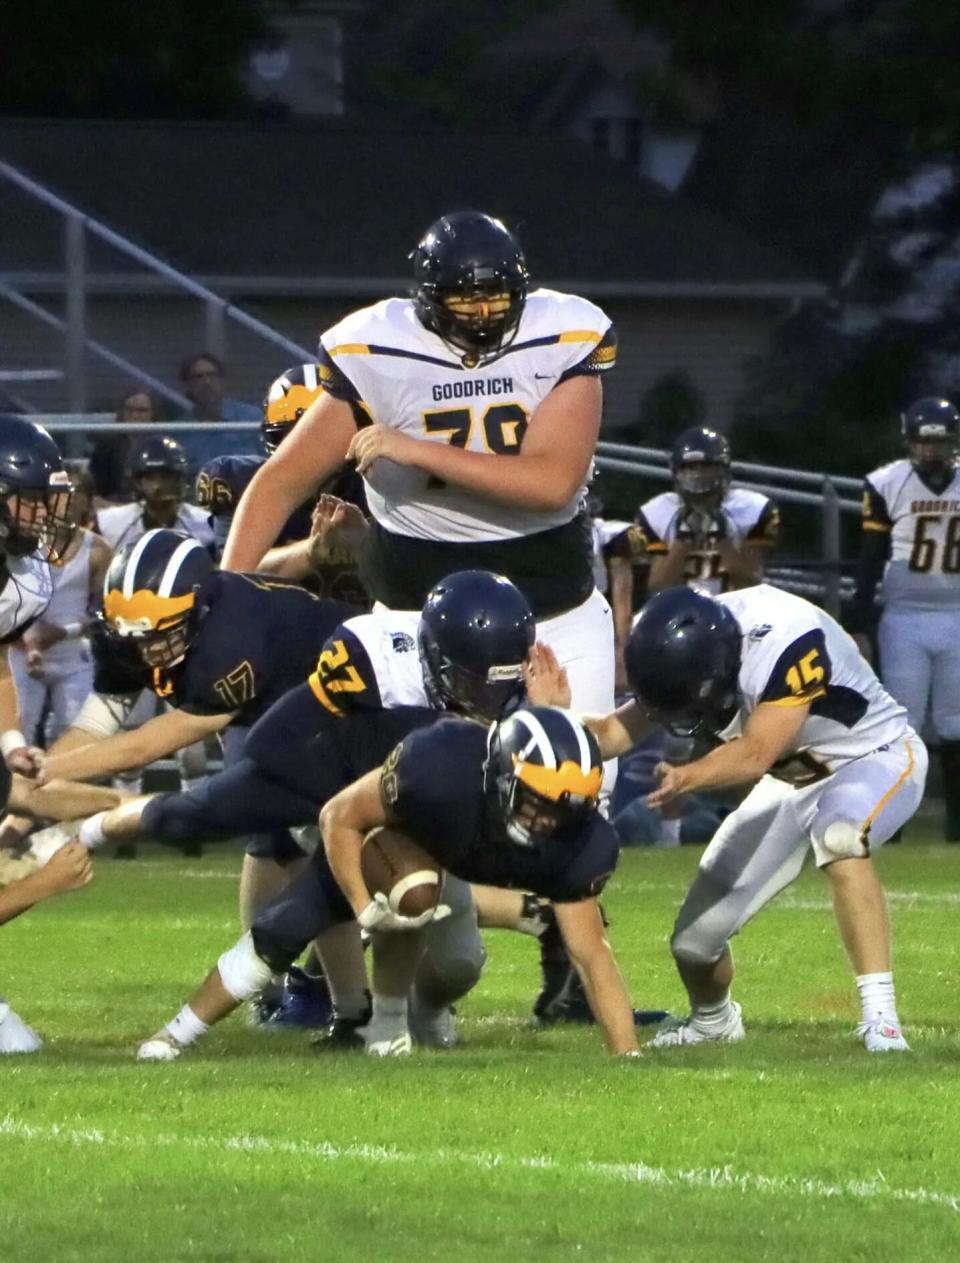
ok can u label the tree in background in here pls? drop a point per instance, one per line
(113, 58)
(841, 119)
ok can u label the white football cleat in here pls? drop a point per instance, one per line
(386, 1038)
(15, 1035)
(433, 1028)
(159, 1047)
(882, 1035)
(676, 1032)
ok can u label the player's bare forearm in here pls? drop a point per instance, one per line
(288, 561)
(668, 570)
(621, 599)
(582, 928)
(9, 705)
(60, 799)
(306, 459)
(744, 565)
(619, 731)
(154, 740)
(344, 823)
(769, 733)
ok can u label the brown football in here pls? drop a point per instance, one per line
(394, 865)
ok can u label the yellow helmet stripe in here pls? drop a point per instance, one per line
(145, 607)
(553, 783)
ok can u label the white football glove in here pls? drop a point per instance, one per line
(378, 915)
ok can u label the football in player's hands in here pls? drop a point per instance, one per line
(395, 866)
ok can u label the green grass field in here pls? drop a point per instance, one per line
(521, 1145)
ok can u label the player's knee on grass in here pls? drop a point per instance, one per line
(242, 970)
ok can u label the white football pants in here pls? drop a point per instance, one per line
(920, 666)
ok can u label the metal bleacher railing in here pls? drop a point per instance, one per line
(77, 225)
(822, 580)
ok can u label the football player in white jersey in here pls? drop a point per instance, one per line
(838, 770)
(472, 409)
(35, 526)
(704, 532)
(911, 543)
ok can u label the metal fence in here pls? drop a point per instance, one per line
(822, 580)
(77, 229)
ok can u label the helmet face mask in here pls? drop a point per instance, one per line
(931, 432)
(543, 774)
(150, 595)
(471, 284)
(700, 463)
(475, 633)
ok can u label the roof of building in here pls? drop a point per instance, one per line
(338, 201)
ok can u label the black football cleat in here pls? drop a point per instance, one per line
(344, 1034)
(556, 970)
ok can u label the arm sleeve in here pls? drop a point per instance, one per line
(344, 680)
(652, 541)
(630, 545)
(765, 532)
(801, 673)
(874, 551)
(600, 359)
(332, 377)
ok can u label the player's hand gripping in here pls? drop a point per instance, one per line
(378, 915)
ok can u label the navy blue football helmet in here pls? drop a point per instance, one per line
(476, 630)
(150, 594)
(700, 464)
(159, 470)
(683, 659)
(931, 431)
(35, 492)
(543, 772)
(470, 257)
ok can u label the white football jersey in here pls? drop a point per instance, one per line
(794, 652)
(382, 360)
(123, 524)
(371, 662)
(748, 516)
(923, 569)
(25, 595)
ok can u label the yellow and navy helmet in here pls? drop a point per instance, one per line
(150, 594)
(543, 773)
(287, 400)
(468, 257)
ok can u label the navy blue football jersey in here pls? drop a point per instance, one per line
(258, 638)
(220, 484)
(432, 788)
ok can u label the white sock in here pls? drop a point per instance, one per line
(713, 1018)
(390, 1008)
(91, 832)
(669, 833)
(190, 782)
(186, 1027)
(878, 998)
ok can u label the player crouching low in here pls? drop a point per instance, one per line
(515, 806)
(837, 767)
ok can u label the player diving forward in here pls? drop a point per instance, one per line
(837, 769)
(512, 807)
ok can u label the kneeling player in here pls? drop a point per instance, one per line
(515, 807)
(837, 769)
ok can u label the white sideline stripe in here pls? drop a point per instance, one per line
(720, 1178)
(909, 897)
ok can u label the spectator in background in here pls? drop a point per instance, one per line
(204, 382)
(111, 453)
(705, 533)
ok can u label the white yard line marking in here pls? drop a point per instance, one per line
(724, 1179)
(905, 898)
